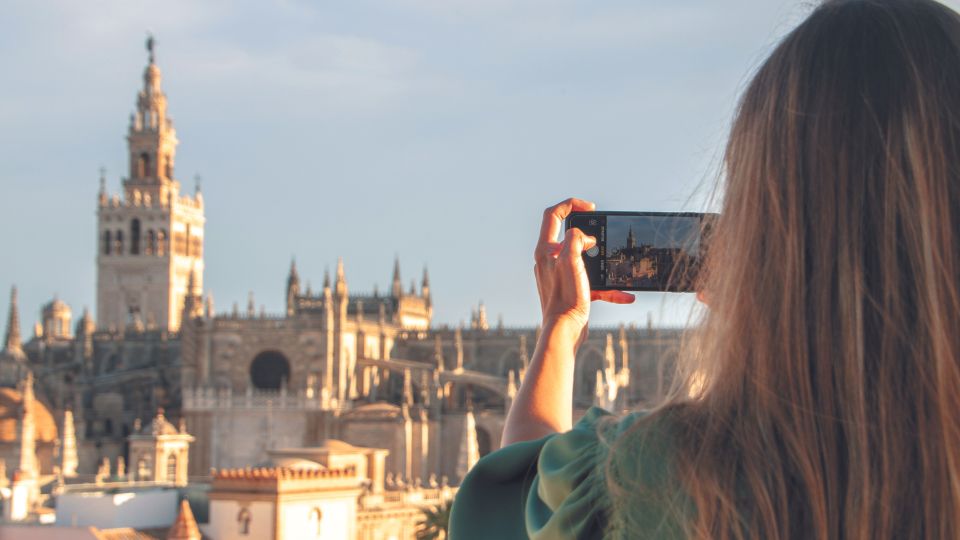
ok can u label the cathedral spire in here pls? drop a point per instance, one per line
(397, 286)
(102, 194)
(293, 288)
(341, 284)
(11, 343)
(293, 278)
(425, 284)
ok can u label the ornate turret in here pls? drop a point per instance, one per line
(438, 352)
(478, 318)
(293, 289)
(609, 357)
(469, 448)
(83, 350)
(102, 193)
(68, 446)
(12, 345)
(624, 373)
(56, 317)
(458, 346)
(193, 300)
(28, 435)
(341, 284)
(85, 326)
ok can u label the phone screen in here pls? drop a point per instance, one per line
(642, 251)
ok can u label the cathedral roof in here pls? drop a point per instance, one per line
(11, 402)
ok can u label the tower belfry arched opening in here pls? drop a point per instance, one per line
(164, 227)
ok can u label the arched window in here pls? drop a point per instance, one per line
(172, 468)
(161, 241)
(151, 242)
(269, 370)
(118, 245)
(313, 522)
(108, 427)
(135, 237)
(243, 521)
(143, 165)
(107, 241)
(168, 168)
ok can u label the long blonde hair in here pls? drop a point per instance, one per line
(831, 351)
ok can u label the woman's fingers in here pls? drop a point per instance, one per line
(614, 297)
(553, 220)
(574, 244)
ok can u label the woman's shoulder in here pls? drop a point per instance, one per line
(568, 485)
(596, 475)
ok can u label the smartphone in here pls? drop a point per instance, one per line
(643, 251)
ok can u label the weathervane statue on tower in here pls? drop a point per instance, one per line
(150, 46)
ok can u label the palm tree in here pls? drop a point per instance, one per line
(433, 526)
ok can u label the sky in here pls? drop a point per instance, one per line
(435, 131)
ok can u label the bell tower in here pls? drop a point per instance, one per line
(150, 238)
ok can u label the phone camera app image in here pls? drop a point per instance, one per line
(651, 253)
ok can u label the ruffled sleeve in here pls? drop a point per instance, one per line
(549, 488)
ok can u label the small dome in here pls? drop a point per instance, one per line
(56, 307)
(159, 426)
(10, 403)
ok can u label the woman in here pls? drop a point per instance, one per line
(822, 399)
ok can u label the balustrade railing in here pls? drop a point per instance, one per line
(208, 398)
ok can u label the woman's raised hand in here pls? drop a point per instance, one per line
(565, 293)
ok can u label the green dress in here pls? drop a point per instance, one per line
(555, 488)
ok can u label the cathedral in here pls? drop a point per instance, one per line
(371, 370)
